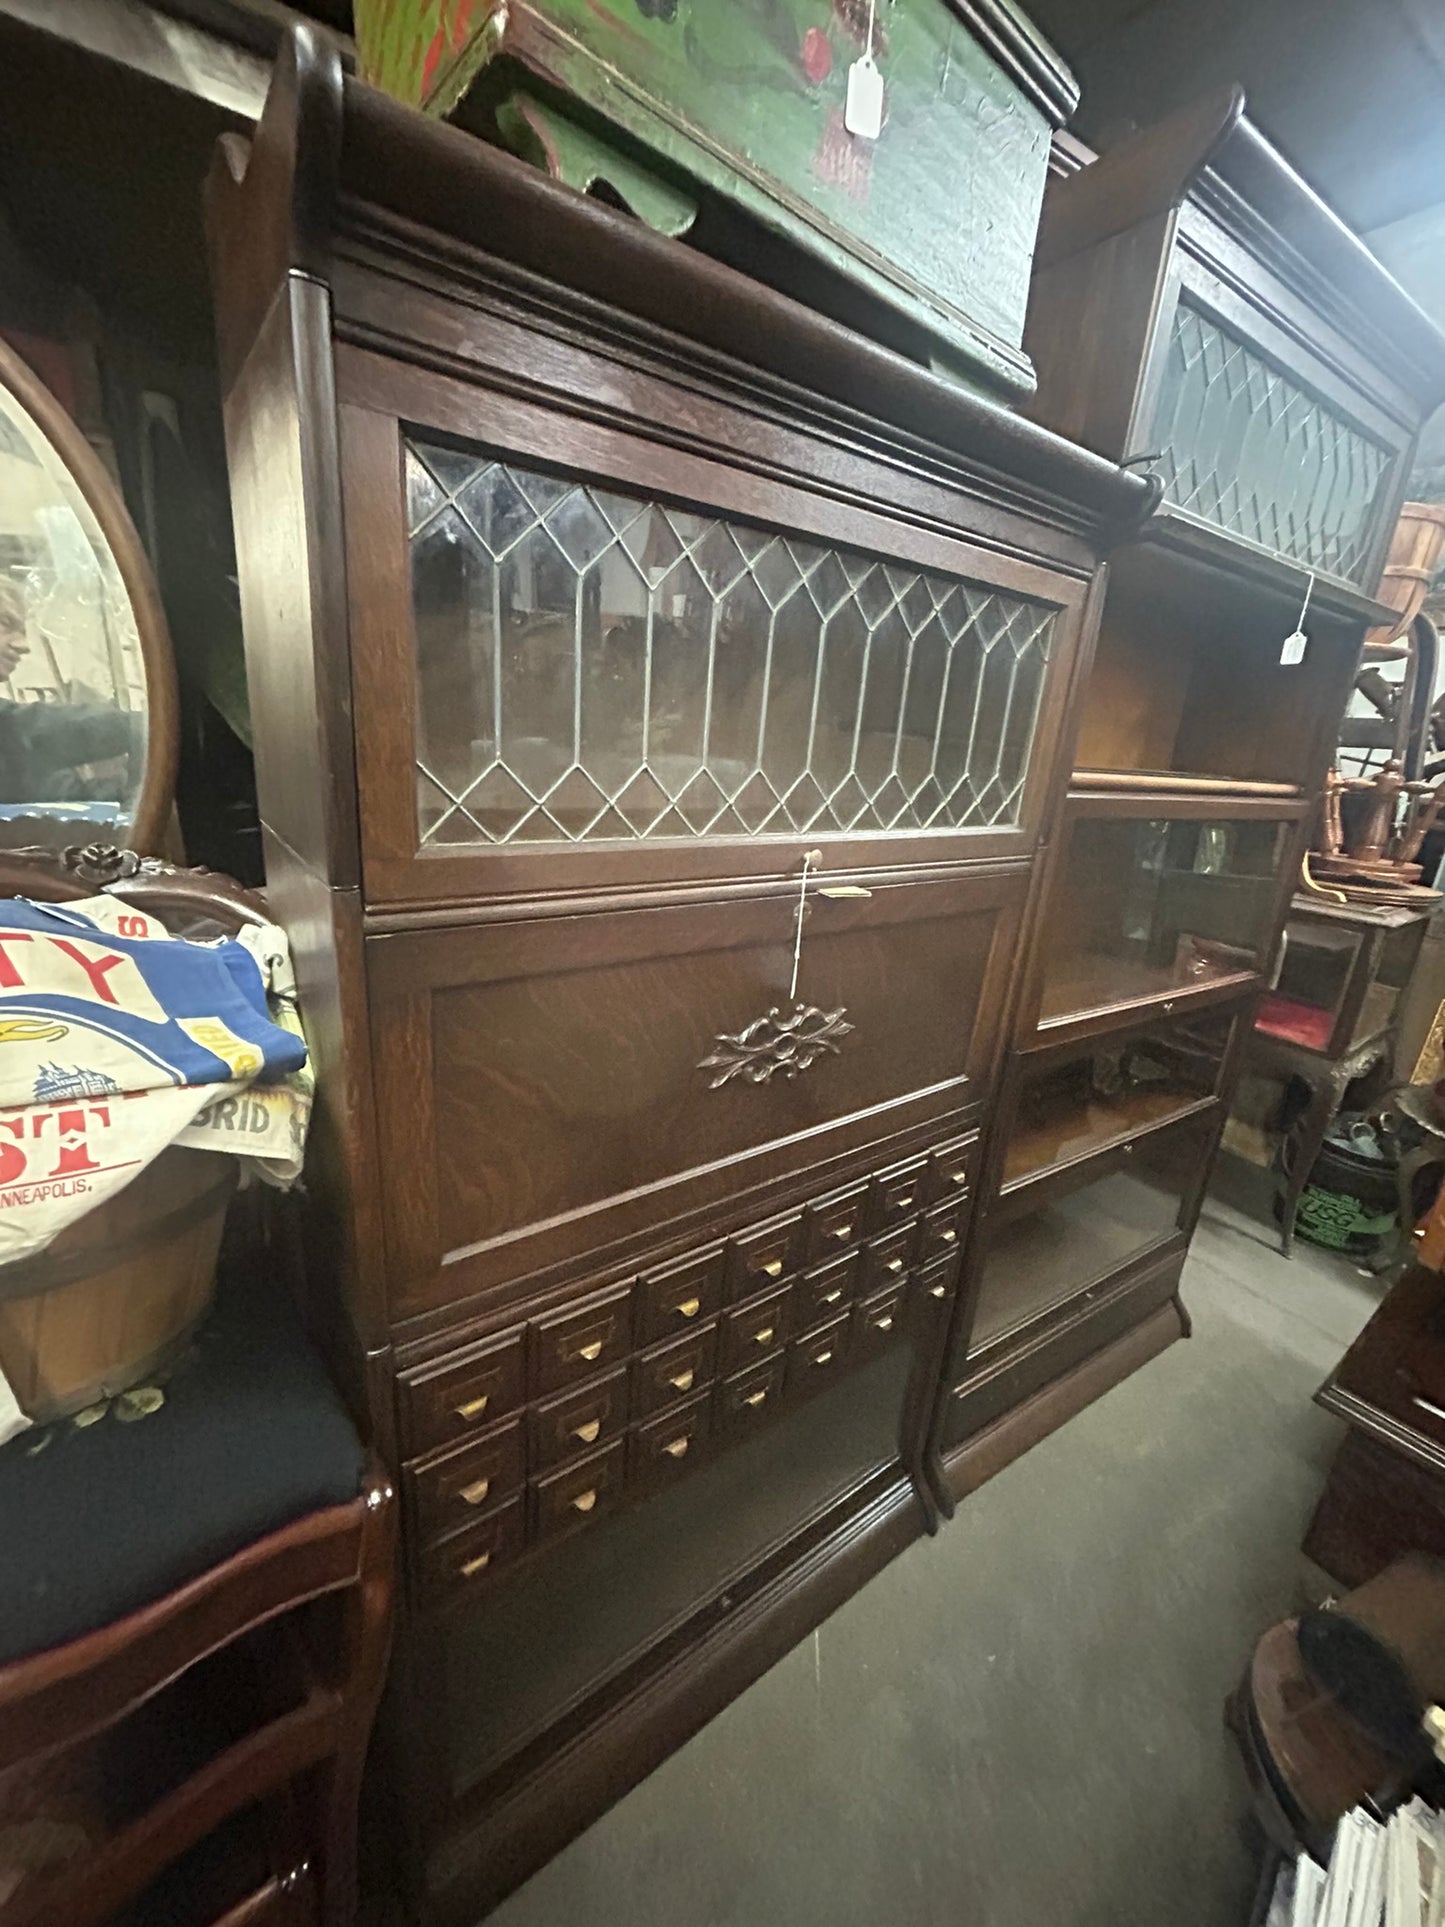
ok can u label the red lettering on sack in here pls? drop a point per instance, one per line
(12, 1158)
(10, 978)
(94, 969)
(74, 1144)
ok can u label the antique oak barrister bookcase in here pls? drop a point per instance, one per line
(1197, 312)
(601, 606)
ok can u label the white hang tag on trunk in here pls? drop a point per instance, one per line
(1292, 649)
(863, 111)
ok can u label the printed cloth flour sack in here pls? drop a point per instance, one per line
(114, 1036)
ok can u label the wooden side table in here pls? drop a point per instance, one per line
(1330, 1016)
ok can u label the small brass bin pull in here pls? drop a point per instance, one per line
(756, 1398)
(474, 1566)
(683, 1381)
(883, 1324)
(773, 1268)
(904, 1202)
(585, 1501)
(589, 1352)
(894, 1265)
(762, 1337)
(587, 1432)
(821, 1358)
(677, 1447)
(476, 1491)
(844, 1232)
(832, 1297)
(948, 1237)
(474, 1407)
(689, 1308)
(937, 1291)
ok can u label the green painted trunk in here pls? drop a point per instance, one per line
(936, 218)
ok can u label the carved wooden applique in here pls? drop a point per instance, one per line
(775, 1045)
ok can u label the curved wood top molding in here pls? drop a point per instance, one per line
(270, 214)
(1211, 151)
(270, 200)
(1251, 189)
(1147, 174)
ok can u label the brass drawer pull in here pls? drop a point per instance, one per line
(689, 1308)
(587, 1432)
(842, 1233)
(883, 1324)
(903, 1203)
(821, 1358)
(894, 1265)
(589, 1352)
(474, 1566)
(585, 1501)
(764, 1336)
(938, 1291)
(677, 1447)
(756, 1398)
(476, 1491)
(958, 1177)
(773, 1268)
(683, 1381)
(948, 1237)
(832, 1297)
(473, 1408)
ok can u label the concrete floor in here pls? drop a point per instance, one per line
(1019, 1721)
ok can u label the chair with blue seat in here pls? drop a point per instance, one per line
(221, 1552)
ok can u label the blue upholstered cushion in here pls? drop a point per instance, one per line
(105, 1518)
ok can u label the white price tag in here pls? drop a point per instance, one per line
(863, 110)
(1292, 649)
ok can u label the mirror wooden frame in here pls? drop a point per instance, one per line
(145, 828)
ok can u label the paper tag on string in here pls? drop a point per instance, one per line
(1292, 649)
(863, 110)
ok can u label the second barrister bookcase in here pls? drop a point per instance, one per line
(1199, 314)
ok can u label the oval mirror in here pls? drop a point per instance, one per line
(87, 681)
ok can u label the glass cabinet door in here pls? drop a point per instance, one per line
(1074, 1104)
(1148, 905)
(597, 666)
(1247, 447)
(1040, 1255)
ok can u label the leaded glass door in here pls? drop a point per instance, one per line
(577, 667)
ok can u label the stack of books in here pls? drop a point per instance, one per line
(1381, 1874)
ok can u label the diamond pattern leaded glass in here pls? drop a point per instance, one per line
(594, 664)
(1246, 448)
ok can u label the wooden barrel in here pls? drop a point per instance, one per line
(111, 1299)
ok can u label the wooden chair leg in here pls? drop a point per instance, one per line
(366, 1641)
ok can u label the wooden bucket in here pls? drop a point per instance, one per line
(1416, 549)
(112, 1299)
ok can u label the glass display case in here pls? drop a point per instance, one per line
(1147, 905)
(1048, 1245)
(1073, 1103)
